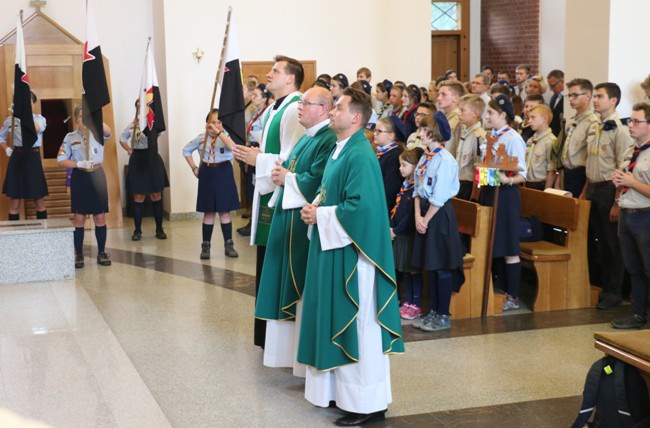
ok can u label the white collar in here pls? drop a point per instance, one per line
(314, 129)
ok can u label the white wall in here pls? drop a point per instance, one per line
(629, 63)
(552, 34)
(474, 38)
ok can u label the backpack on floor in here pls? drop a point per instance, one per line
(617, 393)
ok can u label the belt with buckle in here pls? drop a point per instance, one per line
(214, 165)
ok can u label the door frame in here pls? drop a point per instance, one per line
(463, 35)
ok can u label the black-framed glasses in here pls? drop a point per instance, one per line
(576, 95)
(635, 122)
(306, 103)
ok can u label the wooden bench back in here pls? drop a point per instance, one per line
(467, 215)
(559, 211)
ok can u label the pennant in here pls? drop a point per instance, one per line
(22, 93)
(231, 101)
(152, 119)
(93, 79)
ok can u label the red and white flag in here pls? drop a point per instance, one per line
(22, 93)
(93, 79)
(152, 119)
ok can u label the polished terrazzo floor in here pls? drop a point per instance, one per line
(163, 339)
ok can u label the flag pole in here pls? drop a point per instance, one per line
(136, 124)
(13, 117)
(218, 78)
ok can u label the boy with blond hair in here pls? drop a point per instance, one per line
(470, 137)
(541, 169)
(449, 92)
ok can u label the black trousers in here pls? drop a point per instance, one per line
(259, 329)
(605, 233)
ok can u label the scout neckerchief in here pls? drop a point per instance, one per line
(573, 127)
(211, 152)
(408, 112)
(452, 115)
(252, 122)
(534, 140)
(635, 156)
(430, 154)
(607, 125)
(467, 131)
(406, 186)
(382, 150)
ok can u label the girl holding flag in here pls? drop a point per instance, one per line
(437, 248)
(499, 117)
(146, 175)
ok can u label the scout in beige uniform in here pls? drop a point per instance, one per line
(541, 170)
(634, 224)
(580, 130)
(471, 108)
(449, 92)
(606, 153)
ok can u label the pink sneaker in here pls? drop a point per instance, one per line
(413, 312)
(404, 310)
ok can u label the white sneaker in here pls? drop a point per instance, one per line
(510, 305)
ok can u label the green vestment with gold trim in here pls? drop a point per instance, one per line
(328, 332)
(283, 273)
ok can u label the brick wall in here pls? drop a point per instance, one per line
(510, 34)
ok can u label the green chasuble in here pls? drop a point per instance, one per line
(283, 273)
(265, 213)
(328, 331)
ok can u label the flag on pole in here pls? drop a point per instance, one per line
(22, 94)
(152, 119)
(93, 79)
(231, 101)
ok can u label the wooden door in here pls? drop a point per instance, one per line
(444, 55)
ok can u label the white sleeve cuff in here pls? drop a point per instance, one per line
(264, 164)
(331, 233)
(292, 197)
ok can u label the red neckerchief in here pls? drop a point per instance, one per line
(635, 156)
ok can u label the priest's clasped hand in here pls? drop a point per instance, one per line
(308, 214)
(278, 174)
(247, 155)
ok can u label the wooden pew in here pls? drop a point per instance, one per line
(474, 221)
(562, 270)
(630, 347)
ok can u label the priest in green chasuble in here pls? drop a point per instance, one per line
(280, 134)
(350, 320)
(283, 273)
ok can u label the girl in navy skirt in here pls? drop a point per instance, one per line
(25, 178)
(146, 176)
(437, 248)
(217, 190)
(402, 230)
(506, 264)
(88, 191)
